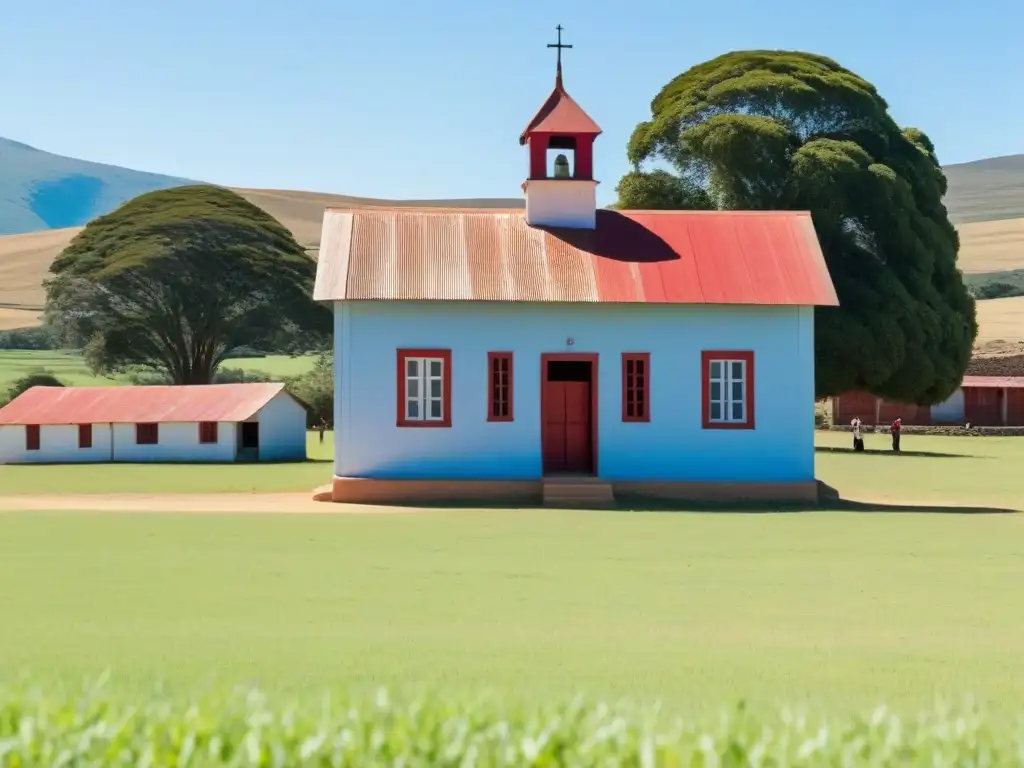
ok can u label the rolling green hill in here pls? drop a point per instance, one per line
(40, 190)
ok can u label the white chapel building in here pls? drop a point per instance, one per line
(570, 351)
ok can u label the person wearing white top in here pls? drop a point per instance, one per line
(858, 441)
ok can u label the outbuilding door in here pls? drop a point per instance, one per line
(983, 406)
(568, 434)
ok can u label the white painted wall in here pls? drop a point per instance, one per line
(282, 429)
(282, 438)
(561, 203)
(951, 411)
(58, 444)
(178, 441)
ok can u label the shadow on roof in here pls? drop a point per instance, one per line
(617, 237)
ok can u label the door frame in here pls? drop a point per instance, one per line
(571, 357)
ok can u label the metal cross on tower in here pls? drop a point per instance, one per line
(559, 46)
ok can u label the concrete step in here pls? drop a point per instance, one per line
(578, 492)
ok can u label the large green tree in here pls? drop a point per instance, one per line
(759, 130)
(174, 280)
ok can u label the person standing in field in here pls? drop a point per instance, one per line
(894, 430)
(320, 428)
(858, 441)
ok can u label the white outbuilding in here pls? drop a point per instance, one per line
(212, 423)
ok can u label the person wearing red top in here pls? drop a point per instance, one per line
(894, 430)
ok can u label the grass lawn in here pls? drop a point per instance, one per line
(839, 610)
(70, 368)
(983, 472)
(174, 478)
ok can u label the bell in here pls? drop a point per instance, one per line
(561, 167)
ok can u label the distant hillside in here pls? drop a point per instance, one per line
(986, 200)
(40, 191)
(986, 190)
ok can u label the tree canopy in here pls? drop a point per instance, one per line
(175, 279)
(25, 383)
(783, 130)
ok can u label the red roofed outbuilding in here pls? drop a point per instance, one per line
(219, 422)
(570, 352)
(981, 401)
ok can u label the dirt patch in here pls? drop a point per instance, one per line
(240, 503)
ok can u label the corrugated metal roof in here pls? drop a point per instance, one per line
(128, 405)
(992, 382)
(560, 114)
(665, 257)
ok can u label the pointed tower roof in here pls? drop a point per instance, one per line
(560, 113)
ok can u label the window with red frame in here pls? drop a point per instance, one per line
(147, 434)
(207, 432)
(728, 390)
(499, 386)
(424, 387)
(636, 386)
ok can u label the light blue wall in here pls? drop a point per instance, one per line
(672, 446)
(950, 411)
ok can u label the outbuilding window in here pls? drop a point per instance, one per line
(499, 386)
(424, 387)
(31, 437)
(636, 386)
(207, 432)
(147, 434)
(728, 390)
(85, 435)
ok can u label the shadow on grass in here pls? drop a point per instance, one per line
(829, 500)
(901, 454)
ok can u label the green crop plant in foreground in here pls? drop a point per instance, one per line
(248, 730)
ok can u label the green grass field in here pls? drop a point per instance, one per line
(933, 471)
(70, 368)
(835, 609)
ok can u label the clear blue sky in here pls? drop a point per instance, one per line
(426, 98)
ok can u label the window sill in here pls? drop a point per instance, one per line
(728, 425)
(424, 424)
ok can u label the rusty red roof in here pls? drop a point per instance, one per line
(560, 114)
(993, 382)
(120, 405)
(662, 257)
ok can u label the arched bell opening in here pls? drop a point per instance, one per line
(561, 157)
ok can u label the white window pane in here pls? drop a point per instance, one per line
(716, 369)
(435, 367)
(412, 409)
(412, 388)
(737, 411)
(716, 411)
(716, 391)
(435, 388)
(737, 391)
(412, 367)
(737, 369)
(435, 409)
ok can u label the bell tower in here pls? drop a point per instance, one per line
(561, 191)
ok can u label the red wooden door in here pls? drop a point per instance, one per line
(566, 434)
(983, 406)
